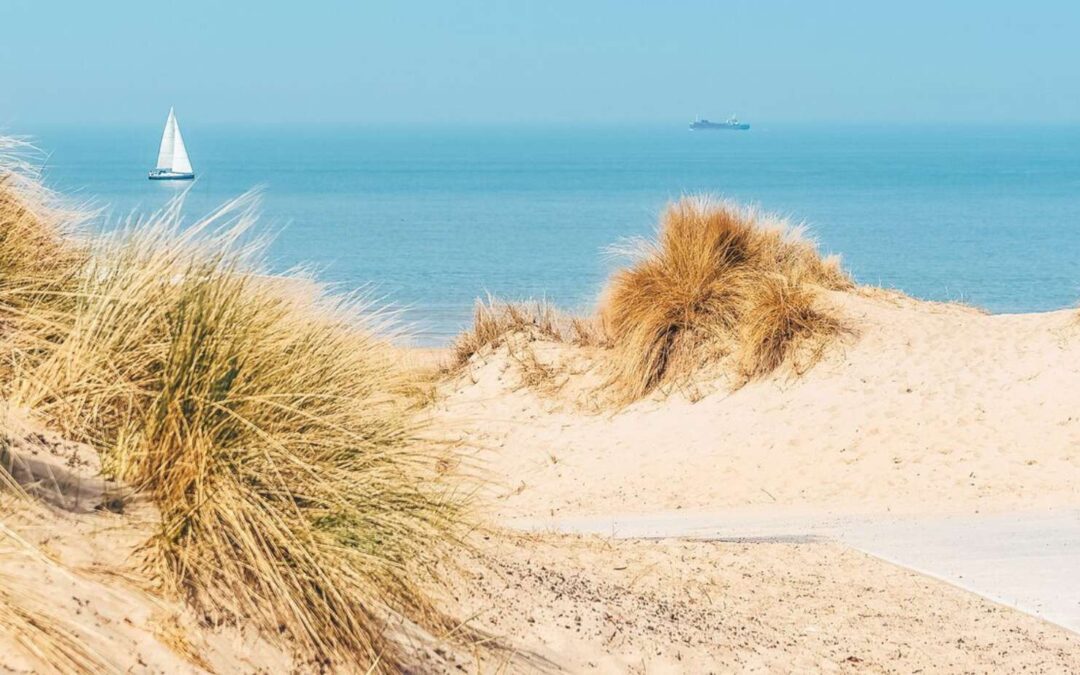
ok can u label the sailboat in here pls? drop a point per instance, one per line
(172, 158)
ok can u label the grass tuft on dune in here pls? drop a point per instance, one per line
(719, 283)
(39, 247)
(266, 420)
(719, 280)
(495, 320)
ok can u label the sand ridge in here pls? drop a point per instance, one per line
(929, 407)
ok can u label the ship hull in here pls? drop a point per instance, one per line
(170, 175)
(719, 127)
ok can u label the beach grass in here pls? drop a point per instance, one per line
(719, 283)
(41, 247)
(266, 419)
(496, 320)
(718, 280)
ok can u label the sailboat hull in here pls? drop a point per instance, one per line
(170, 175)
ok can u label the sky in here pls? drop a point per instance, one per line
(446, 62)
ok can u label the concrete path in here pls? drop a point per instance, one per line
(1029, 561)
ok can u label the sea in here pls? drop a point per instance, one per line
(427, 220)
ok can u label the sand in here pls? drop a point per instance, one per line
(73, 562)
(596, 605)
(930, 408)
(567, 604)
(79, 574)
(927, 410)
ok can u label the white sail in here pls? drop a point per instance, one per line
(165, 152)
(172, 155)
(180, 161)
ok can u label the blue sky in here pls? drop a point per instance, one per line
(466, 62)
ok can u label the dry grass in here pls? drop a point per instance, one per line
(169, 631)
(32, 241)
(782, 314)
(718, 281)
(264, 418)
(494, 321)
(39, 251)
(588, 332)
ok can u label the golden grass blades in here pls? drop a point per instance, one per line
(494, 320)
(39, 254)
(783, 314)
(708, 287)
(266, 423)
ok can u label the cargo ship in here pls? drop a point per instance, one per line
(732, 124)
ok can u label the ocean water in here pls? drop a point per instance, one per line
(431, 219)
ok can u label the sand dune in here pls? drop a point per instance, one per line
(564, 604)
(925, 408)
(255, 494)
(928, 407)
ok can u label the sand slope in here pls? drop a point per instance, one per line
(931, 407)
(927, 409)
(80, 575)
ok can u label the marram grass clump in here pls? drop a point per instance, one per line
(265, 419)
(39, 248)
(718, 281)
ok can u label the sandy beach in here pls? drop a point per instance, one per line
(596, 605)
(562, 603)
(917, 415)
(722, 519)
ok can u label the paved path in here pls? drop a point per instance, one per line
(1030, 561)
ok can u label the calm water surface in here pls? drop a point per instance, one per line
(434, 218)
